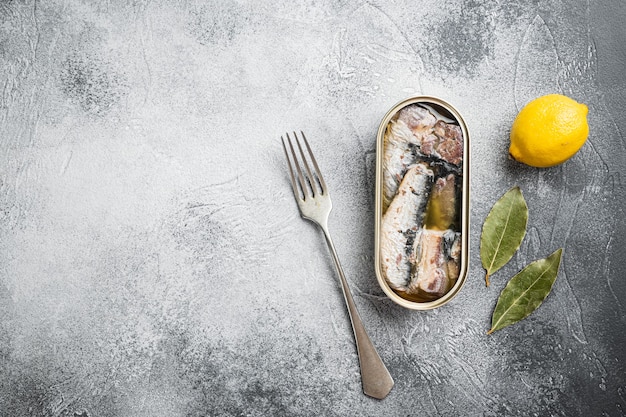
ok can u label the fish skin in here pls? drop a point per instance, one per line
(401, 222)
(397, 157)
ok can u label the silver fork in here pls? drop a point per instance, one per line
(314, 203)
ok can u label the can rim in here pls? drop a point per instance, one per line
(463, 270)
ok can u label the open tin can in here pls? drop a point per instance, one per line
(422, 203)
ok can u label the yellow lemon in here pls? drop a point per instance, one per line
(548, 131)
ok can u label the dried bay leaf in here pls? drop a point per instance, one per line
(503, 231)
(525, 291)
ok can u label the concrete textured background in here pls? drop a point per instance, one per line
(152, 259)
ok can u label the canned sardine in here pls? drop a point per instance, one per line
(422, 203)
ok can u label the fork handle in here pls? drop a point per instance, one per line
(375, 377)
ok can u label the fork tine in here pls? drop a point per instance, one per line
(306, 166)
(294, 186)
(317, 168)
(303, 187)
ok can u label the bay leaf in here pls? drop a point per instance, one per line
(525, 291)
(503, 231)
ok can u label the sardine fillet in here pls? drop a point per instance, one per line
(418, 119)
(449, 143)
(435, 262)
(397, 158)
(400, 224)
(412, 125)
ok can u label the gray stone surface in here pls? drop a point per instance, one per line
(152, 260)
